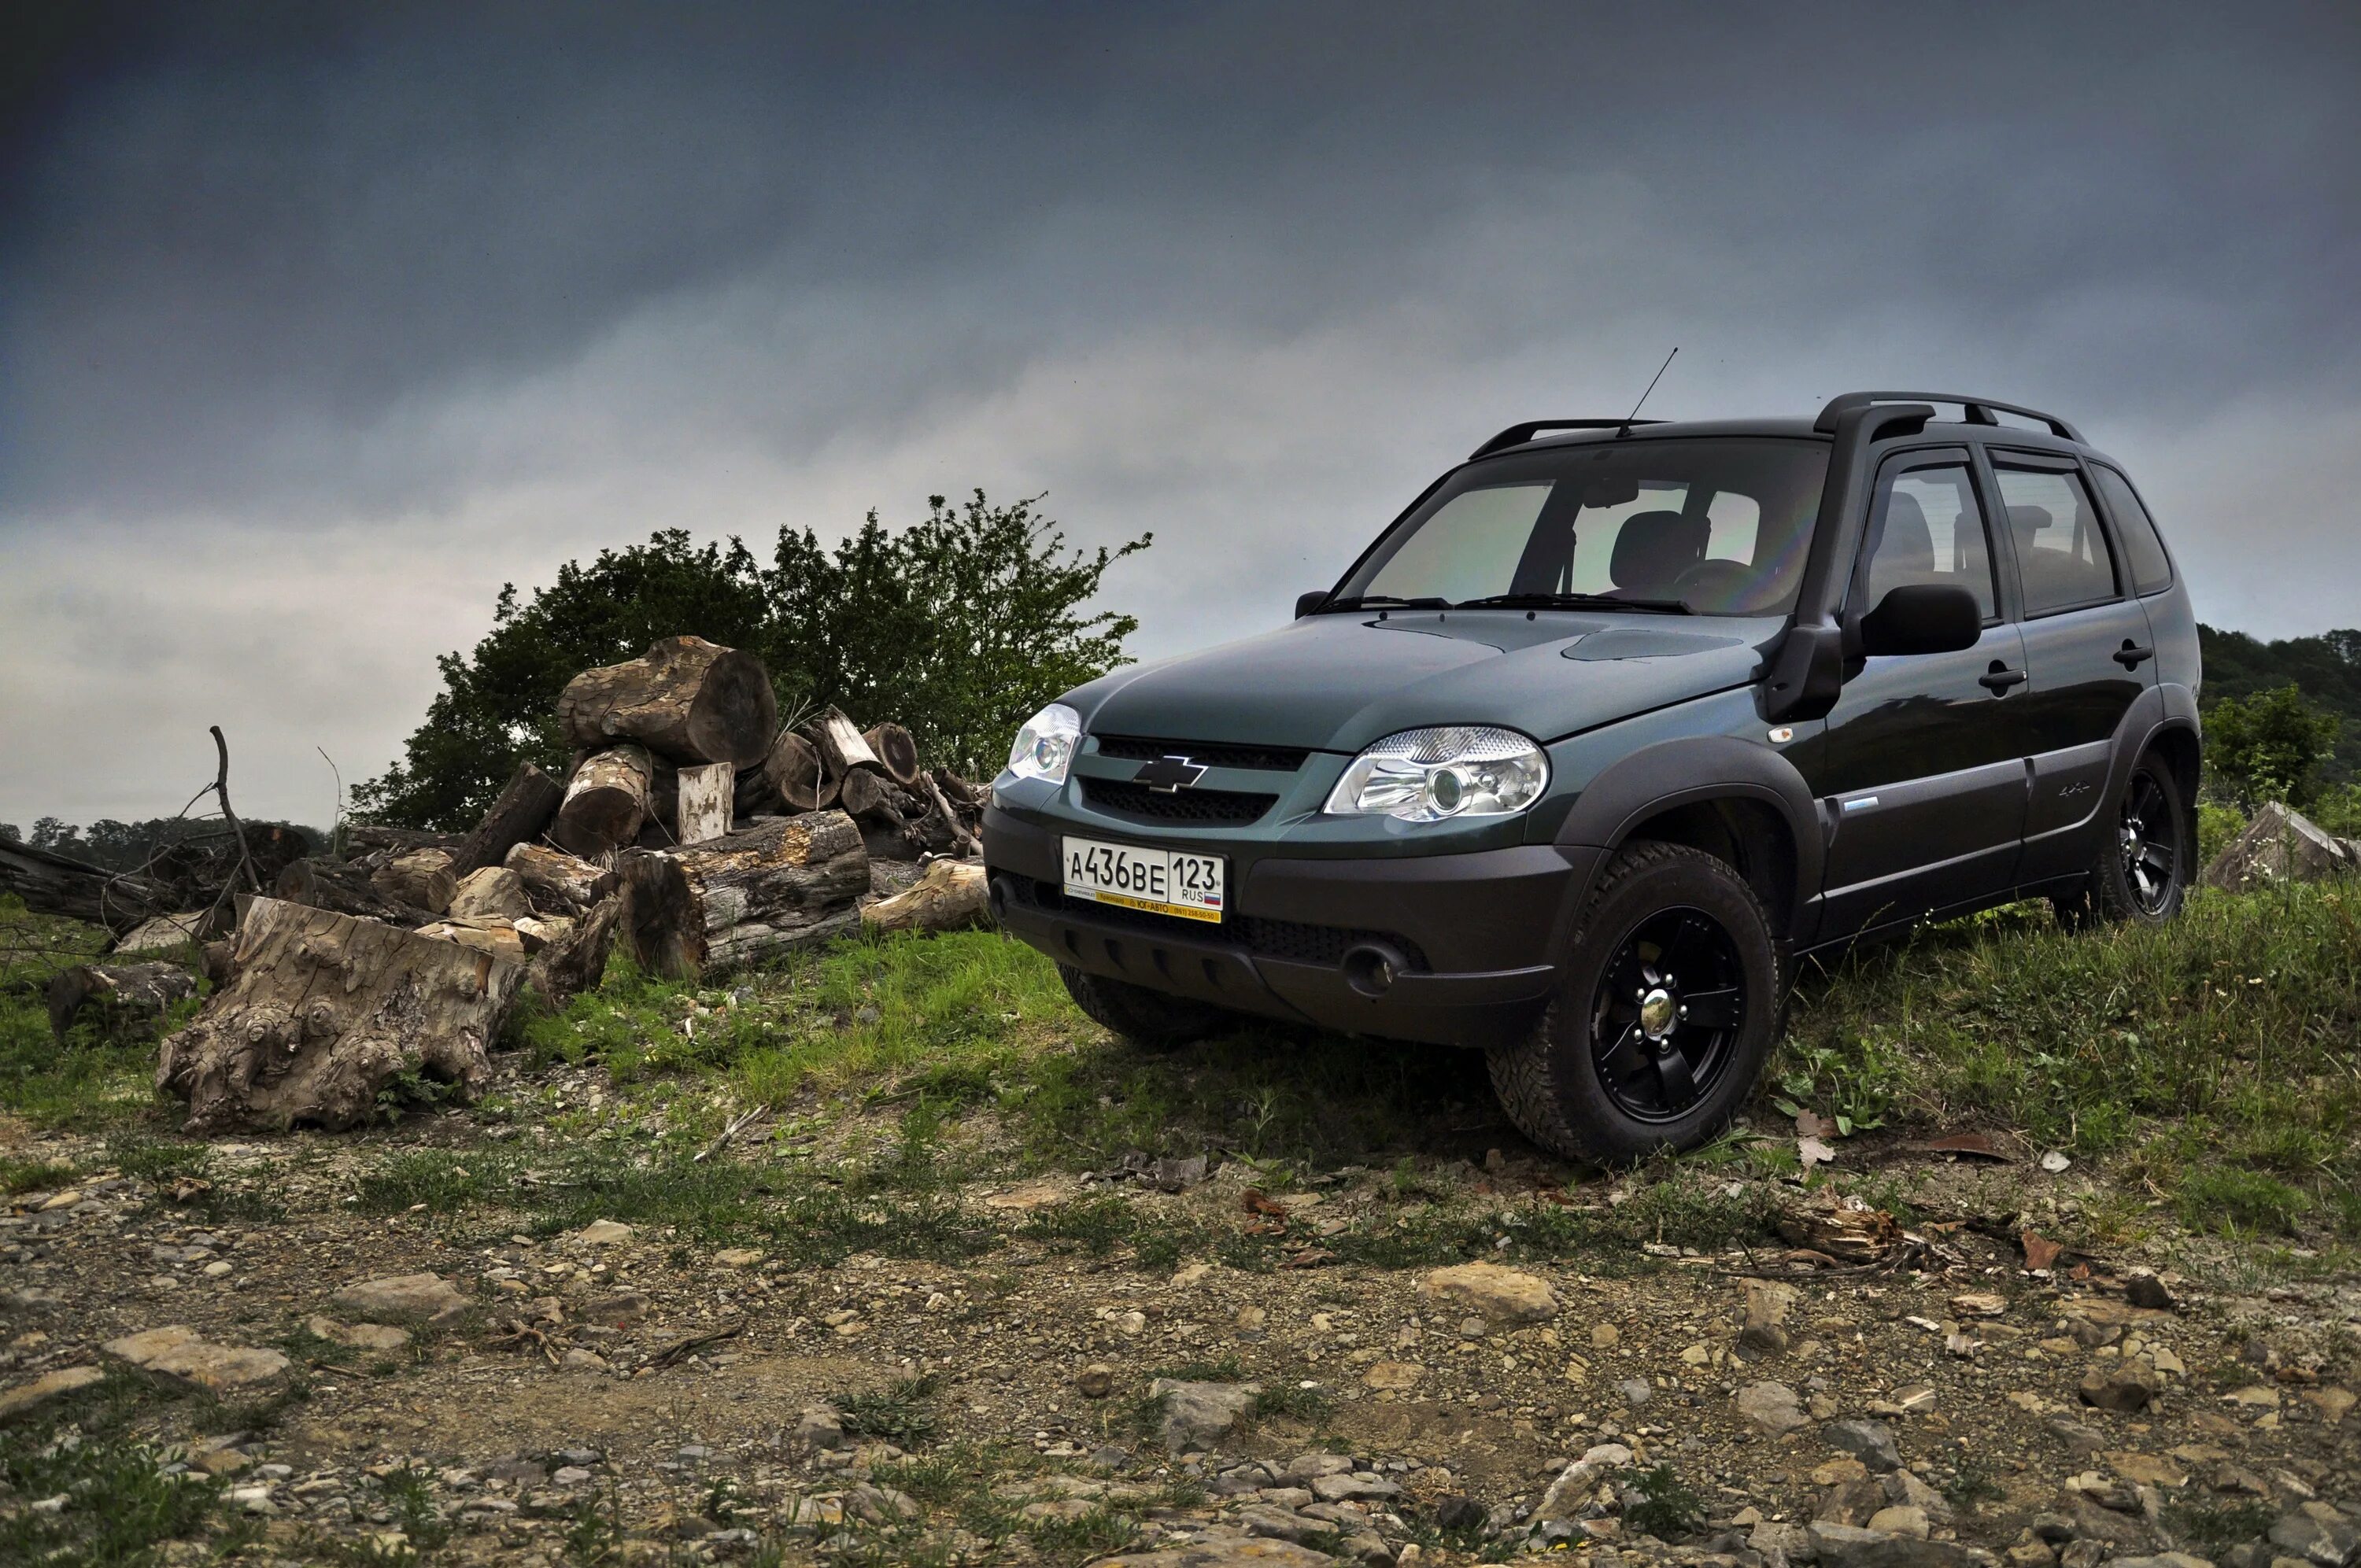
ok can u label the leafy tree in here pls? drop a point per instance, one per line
(958, 626)
(10, 835)
(2327, 668)
(2269, 746)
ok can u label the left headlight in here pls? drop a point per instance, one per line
(1045, 747)
(1428, 775)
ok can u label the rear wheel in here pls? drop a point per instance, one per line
(1668, 1007)
(2141, 870)
(1145, 1017)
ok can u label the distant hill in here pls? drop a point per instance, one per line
(2326, 668)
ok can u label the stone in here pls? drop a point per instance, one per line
(1636, 1391)
(1762, 1318)
(1240, 1552)
(2333, 1403)
(1097, 1380)
(2147, 1291)
(1900, 1518)
(820, 1425)
(624, 1307)
(402, 1297)
(2144, 1469)
(2125, 1387)
(358, 1336)
(1980, 1304)
(1575, 1485)
(1845, 1546)
(737, 1257)
(178, 1352)
(602, 1233)
(49, 1386)
(1872, 1442)
(1198, 1415)
(581, 1360)
(1361, 1486)
(2318, 1534)
(1305, 1467)
(1392, 1375)
(1773, 1407)
(1604, 1336)
(1497, 1294)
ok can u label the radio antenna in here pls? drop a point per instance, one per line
(1643, 396)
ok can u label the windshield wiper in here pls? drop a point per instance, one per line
(1574, 601)
(1385, 601)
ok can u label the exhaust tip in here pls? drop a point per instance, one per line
(1370, 967)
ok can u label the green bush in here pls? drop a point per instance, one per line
(2269, 746)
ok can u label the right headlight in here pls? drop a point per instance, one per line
(1428, 775)
(1045, 747)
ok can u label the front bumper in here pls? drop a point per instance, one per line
(1470, 941)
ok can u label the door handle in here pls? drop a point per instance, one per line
(2000, 678)
(2132, 655)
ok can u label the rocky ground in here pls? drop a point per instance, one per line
(461, 1380)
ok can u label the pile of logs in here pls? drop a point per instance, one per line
(689, 829)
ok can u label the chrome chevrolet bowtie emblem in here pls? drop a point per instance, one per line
(1167, 774)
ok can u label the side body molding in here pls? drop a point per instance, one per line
(1695, 769)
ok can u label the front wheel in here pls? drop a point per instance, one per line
(1668, 1007)
(2140, 873)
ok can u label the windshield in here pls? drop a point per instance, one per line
(1713, 526)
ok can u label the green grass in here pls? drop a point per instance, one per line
(902, 1412)
(96, 1079)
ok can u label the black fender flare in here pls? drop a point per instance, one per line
(2155, 713)
(1693, 769)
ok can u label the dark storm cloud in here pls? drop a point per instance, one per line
(449, 294)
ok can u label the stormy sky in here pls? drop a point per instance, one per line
(318, 324)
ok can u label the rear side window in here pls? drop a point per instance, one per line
(2143, 551)
(2062, 552)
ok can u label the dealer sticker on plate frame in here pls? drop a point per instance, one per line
(1163, 881)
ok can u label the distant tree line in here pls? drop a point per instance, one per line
(959, 626)
(127, 846)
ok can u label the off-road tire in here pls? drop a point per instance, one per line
(2108, 898)
(1550, 1082)
(1150, 1019)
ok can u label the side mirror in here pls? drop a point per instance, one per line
(1306, 603)
(1923, 617)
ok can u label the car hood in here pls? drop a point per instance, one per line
(1338, 681)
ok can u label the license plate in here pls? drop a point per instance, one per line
(1165, 881)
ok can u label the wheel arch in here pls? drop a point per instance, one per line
(1742, 803)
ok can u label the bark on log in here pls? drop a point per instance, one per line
(166, 932)
(323, 1010)
(366, 837)
(608, 799)
(751, 795)
(795, 771)
(576, 962)
(521, 814)
(896, 750)
(347, 890)
(840, 744)
(691, 700)
(421, 878)
(775, 886)
(126, 995)
(558, 882)
(494, 893)
(51, 884)
(865, 795)
(706, 802)
(949, 896)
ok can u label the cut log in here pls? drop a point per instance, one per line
(772, 887)
(51, 884)
(347, 890)
(494, 893)
(576, 962)
(795, 771)
(840, 746)
(708, 799)
(323, 1010)
(485, 934)
(558, 882)
(521, 814)
(421, 878)
(686, 697)
(169, 931)
(949, 895)
(609, 797)
(896, 750)
(751, 795)
(127, 997)
(867, 794)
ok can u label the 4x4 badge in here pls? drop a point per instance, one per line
(1168, 774)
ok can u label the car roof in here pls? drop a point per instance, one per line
(1791, 429)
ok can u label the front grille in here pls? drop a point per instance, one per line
(1137, 803)
(1290, 941)
(1205, 753)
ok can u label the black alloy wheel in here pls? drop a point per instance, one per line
(1666, 1013)
(2148, 840)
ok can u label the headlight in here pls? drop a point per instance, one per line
(1426, 775)
(1045, 747)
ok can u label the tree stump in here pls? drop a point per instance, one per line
(686, 697)
(611, 793)
(323, 1010)
(767, 889)
(521, 814)
(948, 895)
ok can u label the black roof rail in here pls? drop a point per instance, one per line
(1978, 411)
(1518, 435)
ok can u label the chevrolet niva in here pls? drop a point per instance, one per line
(1613, 724)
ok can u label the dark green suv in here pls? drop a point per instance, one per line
(1615, 721)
